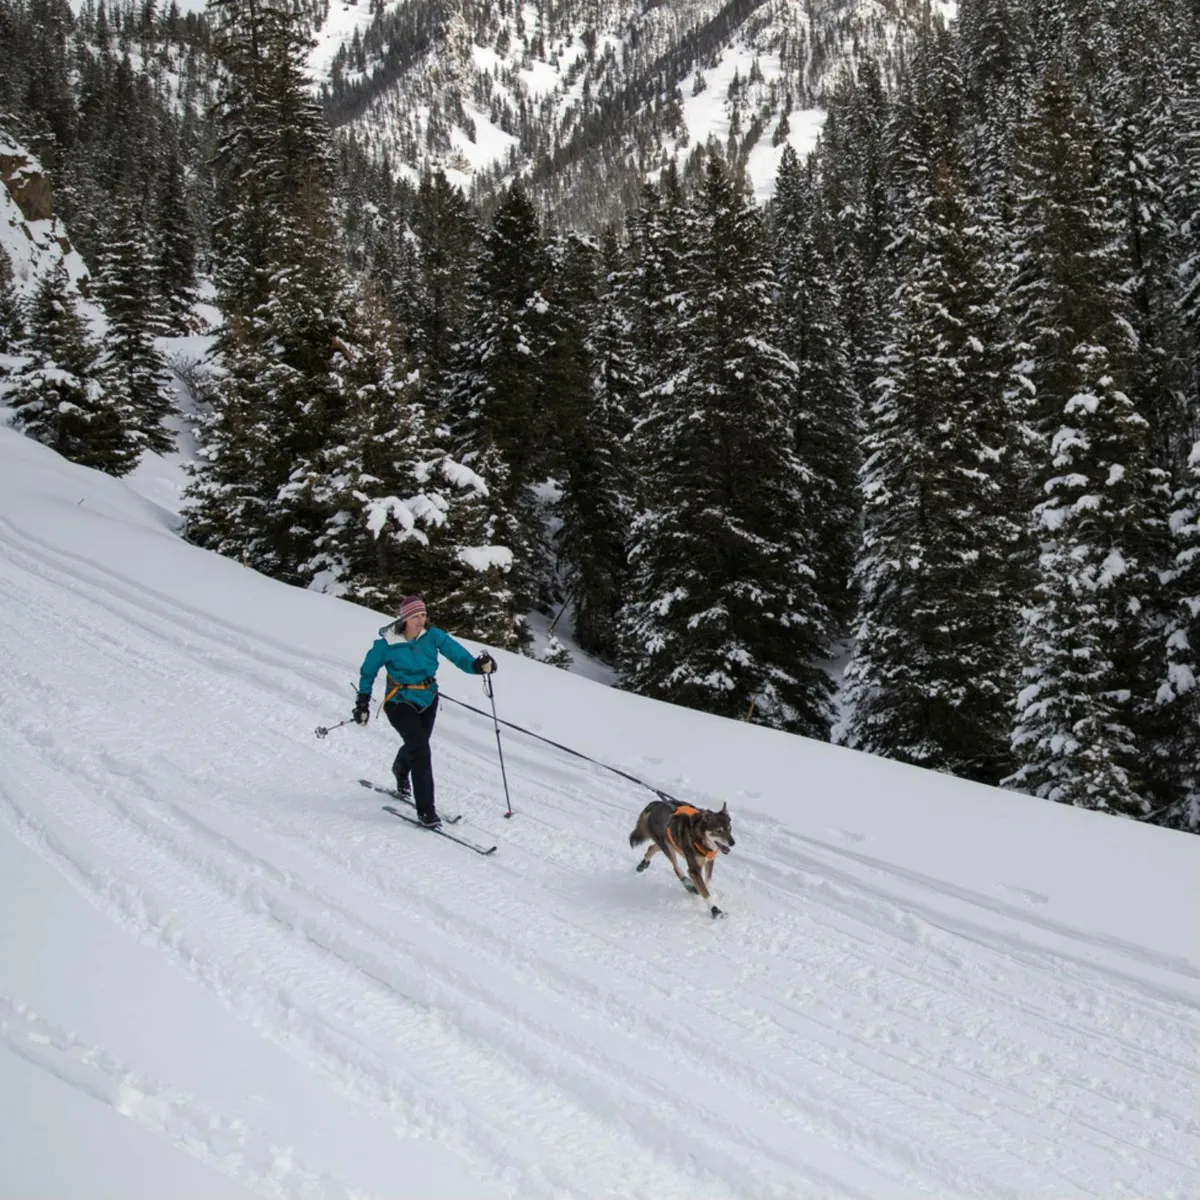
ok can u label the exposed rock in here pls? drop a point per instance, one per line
(30, 189)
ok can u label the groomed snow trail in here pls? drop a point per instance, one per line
(559, 1025)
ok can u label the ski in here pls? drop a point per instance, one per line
(454, 837)
(395, 795)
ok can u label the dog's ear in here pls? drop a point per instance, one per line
(725, 806)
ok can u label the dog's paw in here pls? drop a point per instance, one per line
(642, 865)
(689, 886)
(716, 912)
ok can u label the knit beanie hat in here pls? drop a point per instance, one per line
(410, 606)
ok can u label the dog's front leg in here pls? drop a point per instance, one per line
(698, 874)
(691, 887)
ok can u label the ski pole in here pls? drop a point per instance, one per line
(487, 687)
(321, 731)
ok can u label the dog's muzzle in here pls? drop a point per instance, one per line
(724, 849)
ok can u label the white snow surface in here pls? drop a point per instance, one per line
(224, 970)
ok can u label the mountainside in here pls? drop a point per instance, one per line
(591, 98)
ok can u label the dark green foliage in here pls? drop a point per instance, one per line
(435, 294)
(175, 265)
(283, 294)
(12, 320)
(499, 400)
(1179, 696)
(596, 504)
(131, 365)
(1075, 739)
(931, 678)
(825, 406)
(722, 611)
(59, 398)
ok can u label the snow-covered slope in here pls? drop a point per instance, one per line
(224, 970)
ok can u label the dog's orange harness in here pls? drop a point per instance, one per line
(686, 810)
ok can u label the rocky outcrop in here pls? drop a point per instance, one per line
(30, 189)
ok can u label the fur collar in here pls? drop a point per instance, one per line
(393, 636)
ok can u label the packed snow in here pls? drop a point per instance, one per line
(224, 970)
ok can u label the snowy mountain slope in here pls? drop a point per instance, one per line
(588, 100)
(224, 970)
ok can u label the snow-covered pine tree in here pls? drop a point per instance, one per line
(281, 287)
(496, 397)
(175, 266)
(59, 398)
(447, 235)
(131, 365)
(931, 677)
(1185, 208)
(825, 409)
(595, 505)
(997, 55)
(479, 595)
(12, 319)
(1074, 738)
(654, 285)
(1179, 695)
(305, 323)
(721, 609)
(403, 516)
(853, 176)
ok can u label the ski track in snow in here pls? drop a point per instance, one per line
(848, 1031)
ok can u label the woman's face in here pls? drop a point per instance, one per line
(413, 625)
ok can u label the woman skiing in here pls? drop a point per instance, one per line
(409, 652)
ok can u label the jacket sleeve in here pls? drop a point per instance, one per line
(371, 665)
(459, 655)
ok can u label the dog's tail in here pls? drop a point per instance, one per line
(640, 833)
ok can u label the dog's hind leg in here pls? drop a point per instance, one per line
(650, 853)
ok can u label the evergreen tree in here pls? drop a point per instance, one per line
(1075, 736)
(176, 246)
(496, 398)
(722, 612)
(282, 291)
(497, 393)
(595, 506)
(1179, 694)
(825, 406)
(1185, 207)
(12, 320)
(931, 677)
(853, 174)
(132, 366)
(398, 506)
(58, 399)
(656, 249)
(439, 287)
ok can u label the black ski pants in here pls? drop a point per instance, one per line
(415, 726)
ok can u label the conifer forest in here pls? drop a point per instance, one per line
(906, 457)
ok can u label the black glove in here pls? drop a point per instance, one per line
(362, 708)
(485, 664)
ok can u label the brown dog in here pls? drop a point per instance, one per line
(695, 834)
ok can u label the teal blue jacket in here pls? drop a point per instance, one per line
(409, 663)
